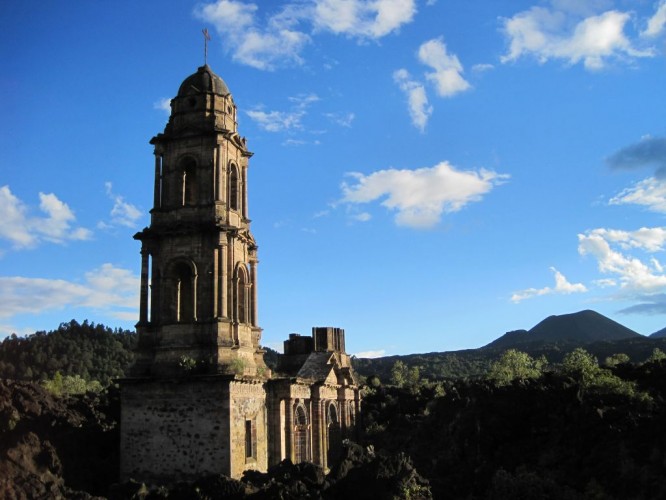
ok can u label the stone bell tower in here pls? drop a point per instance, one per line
(196, 400)
(199, 259)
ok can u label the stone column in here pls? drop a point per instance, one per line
(143, 296)
(215, 284)
(253, 311)
(289, 429)
(157, 195)
(222, 296)
(218, 174)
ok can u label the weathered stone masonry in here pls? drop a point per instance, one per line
(200, 398)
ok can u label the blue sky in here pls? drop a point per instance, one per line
(427, 174)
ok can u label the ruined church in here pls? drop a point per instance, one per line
(200, 398)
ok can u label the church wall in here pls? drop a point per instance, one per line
(174, 429)
(248, 404)
(208, 404)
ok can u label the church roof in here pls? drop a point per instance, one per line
(318, 366)
(204, 80)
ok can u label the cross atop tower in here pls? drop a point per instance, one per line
(206, 40)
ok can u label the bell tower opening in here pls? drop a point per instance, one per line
(184, 293)
(200, 398)
(189, 189)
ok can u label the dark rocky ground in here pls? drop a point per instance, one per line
(54, 447)
(549, 438)
(533, 439)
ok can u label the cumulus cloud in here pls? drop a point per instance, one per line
(378, 353)
(363, 18)
(108, 289)
(277, 42)
(123, 213)
(447, 75)
(561, 34)
(164, 104)
(25, 230)
(420, 197)
(650, 239)
(278, 121)
(648, 152)
(610, 247)
(278, 39)
(656, 24)
(649, 193)
(417, 99)
(562, 286)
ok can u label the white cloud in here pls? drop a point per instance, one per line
(421, 196)
(633, 274)
(650, 239)
(278, 121)
(417, 100)
(657, 22)
(447, 74)
(605, 283)
(164, 104)
(363, 18)
(24, 230)
(342, 119)
(480, 68)
(649, 193)
(560, 34)
(278, 39)
(362, 217)
(371, 354)
(562, 286)
(109, 289)
(123, 213)
(276, 43)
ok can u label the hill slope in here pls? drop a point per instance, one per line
(94, 352)
(659, 335)
(583, 327)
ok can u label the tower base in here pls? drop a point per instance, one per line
(179, 429)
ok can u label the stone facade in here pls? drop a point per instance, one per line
(200, 398)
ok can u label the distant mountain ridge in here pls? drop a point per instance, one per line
(659, 334)
(552, 338)
(584, 327)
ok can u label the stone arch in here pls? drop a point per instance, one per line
(333, 432)
(235, 198)
(243, 295)
(189, 187)
(301, 434)
(183, 297)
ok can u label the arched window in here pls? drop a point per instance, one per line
(189, 189)
(301, 435)
(334, 437)
(234, 195)
(242, 296)
(184, 282)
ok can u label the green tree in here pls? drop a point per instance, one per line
(583, 367)
(617, 359)
(657, 355)
(399, 374)
(514, 364)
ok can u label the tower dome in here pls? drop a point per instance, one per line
(203, 81)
